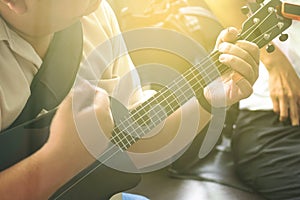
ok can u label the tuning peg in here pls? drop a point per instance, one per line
(245, 10)
(270, 48)
(283, 37)
(259, 1)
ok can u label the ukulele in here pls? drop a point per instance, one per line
(132, 125)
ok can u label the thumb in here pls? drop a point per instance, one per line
(227, 35)
(244, 86)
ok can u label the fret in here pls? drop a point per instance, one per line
(217, 68)
(157, 114)
(141, 124)
(138, 127)
(151, 113)
(139, 113)
(199, 78)
(168, 97)
(116, 139)
(128, 139)
(182, 90)
(141, 120)
(205, 72)
(195, 80)
(261, 28)
(223, 68)
(191, 79)
(124, 124)
(122, 140)
(173, 105)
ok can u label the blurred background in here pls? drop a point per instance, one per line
(191, 18)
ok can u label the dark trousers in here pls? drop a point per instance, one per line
(267, 154)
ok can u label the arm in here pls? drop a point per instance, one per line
(283, 79)
(61, 158)
(64, 155)
(283, 85)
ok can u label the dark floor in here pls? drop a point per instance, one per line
(160, 186)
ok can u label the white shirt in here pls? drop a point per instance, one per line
(19, 62)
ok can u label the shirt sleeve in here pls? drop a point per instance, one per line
(106, 59)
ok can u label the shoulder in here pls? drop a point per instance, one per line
(99, 26)
(18, 64)
(104, 18)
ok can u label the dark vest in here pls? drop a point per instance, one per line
(29, 131)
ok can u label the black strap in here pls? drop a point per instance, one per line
(203, 101)
(56, 75)
(50, 86)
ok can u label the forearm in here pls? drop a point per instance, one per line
(25, 180)
(274, 59)
(20, 181)
(40, 175)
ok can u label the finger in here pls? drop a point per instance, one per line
(275, 104)
(236, 50)
(251, 48)
(250, 70)
(283, 106)
(294, 115)
(239, 65)
(245, 88)
(252, 56)
(243, 49)
(236, 77)
(227, 35)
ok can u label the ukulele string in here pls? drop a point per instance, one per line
(255, 26)
(244, 36)
(177, 79)
(110, 148)
(98, 165)
(208, 58)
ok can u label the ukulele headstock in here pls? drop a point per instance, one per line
(265, 24)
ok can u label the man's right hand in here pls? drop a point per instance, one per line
(65, 135)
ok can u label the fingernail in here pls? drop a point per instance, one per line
(295, 123)
(222, 58)
(222, 47)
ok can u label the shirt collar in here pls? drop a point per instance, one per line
(18, 44)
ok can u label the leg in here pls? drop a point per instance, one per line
(267, 154)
